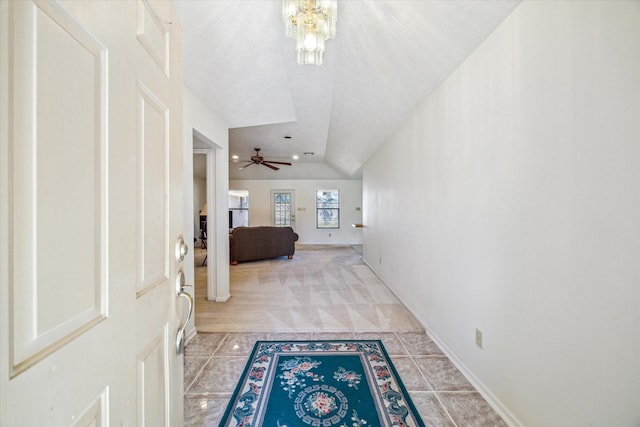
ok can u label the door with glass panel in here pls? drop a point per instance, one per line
(283, 208)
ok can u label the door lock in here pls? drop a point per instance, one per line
(181, 249)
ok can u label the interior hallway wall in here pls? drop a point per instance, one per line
(522, 174)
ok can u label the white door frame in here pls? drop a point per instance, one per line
(212, 228)
(200, 122)
(217, 219)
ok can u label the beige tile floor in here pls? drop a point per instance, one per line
(324, 292)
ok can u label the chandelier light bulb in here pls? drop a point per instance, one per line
(310, 23)
(310, 41)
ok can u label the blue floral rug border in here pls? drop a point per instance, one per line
(250, 398)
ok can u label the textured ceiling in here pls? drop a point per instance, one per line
(387, 57)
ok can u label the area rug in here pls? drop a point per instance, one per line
(320, 384)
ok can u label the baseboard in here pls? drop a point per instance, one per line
(224, 298)
(493, 401)
(395, 294)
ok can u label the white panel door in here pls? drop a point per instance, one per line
(90, 213)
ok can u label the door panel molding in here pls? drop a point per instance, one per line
(153, 209)
(153, 35)
(153, 382)
(97, 413)
(44, 156)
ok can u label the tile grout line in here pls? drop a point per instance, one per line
(195, 377)
(446, 410)
(424, 376)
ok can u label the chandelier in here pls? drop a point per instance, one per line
(310, 23)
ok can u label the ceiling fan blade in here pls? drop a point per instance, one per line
(247, 165)
(269, 166)
(277, 163)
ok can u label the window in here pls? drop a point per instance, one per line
(238, 208)
(327, 209)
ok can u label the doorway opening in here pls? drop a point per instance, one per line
(200, 207)
(238, 208)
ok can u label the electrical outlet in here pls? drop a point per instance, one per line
(479, 338)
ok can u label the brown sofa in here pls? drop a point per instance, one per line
(253, 243)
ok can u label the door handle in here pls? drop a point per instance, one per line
(181, 329)
(180, 292)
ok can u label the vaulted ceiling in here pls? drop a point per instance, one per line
(387, 57)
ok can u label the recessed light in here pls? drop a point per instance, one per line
(308, 153)
(295, 157)
(235, 157)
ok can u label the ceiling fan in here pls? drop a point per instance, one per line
(259, 160)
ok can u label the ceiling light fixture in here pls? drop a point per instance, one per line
(295, 157)
(310, 23)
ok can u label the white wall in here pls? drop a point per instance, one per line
(350, 200)
(510, 202)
